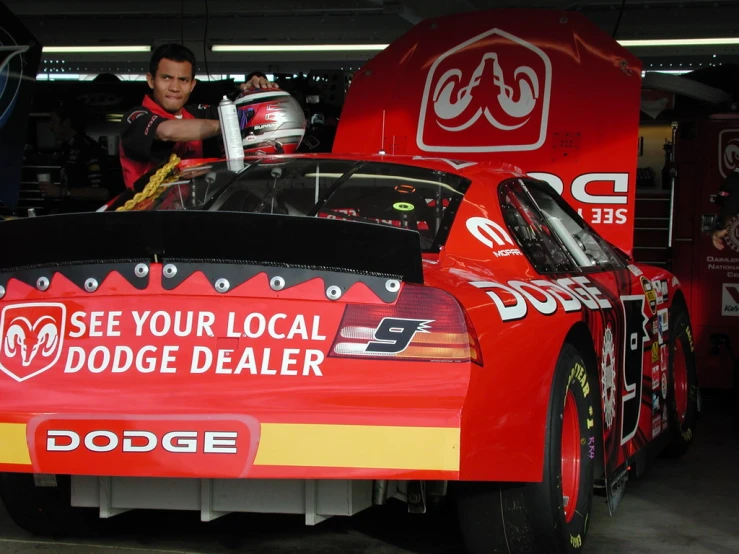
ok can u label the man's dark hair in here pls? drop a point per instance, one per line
(171, 51)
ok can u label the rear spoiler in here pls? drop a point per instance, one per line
(210, 237)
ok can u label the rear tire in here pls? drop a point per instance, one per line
(682, 384)
(551, 516)
(46, 510)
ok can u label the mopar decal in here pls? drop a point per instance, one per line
(546, 297)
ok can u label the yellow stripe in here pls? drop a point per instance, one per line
(359, 446)
(13, 447)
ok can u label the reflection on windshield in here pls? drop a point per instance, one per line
(382, 193)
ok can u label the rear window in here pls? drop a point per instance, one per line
(404, 196)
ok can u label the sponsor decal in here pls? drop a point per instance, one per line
(657, 287)
(675, 282)
(656, 403)
(730, 300)
(151, 122)
(664, 385)
(142, 445)
(665, 421)
(635, 270)
(635, 331)
(655, 377)
(656, 425)
(546, 297)
(608, 381)
(32, 336)
(655, 352)
(492, 235)
(650, 294)
(35, 336)
(133, 116)
(655, 328)
(490, 93)
(663, 320)
(728, 151)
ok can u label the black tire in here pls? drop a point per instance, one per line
(46, 511)
(531, 517)
(684, 417)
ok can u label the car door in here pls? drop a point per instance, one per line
(620, 330)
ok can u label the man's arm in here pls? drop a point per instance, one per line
(187, 130)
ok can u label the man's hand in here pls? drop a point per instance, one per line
(50, 190)
(258, 82)
(718, 238)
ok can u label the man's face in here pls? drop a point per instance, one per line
(62, 129)
(172, 85)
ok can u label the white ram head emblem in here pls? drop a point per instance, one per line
(29, 339)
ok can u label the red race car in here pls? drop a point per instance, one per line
(316, 334)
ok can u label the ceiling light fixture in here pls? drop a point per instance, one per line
(298, 47)
(94, 49)
(679, 42)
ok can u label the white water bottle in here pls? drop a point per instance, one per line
(230, 130)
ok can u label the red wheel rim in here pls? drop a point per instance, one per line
(680, 377)
(570, 456)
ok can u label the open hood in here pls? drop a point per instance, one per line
(544, 90)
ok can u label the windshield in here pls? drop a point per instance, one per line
(410, 197)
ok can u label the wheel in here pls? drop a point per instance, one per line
(552, 516)
(46, 510)
(682, 379)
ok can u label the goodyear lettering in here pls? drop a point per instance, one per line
(690, 338)
(590, 423)
(576, 542)
(579, 374)
(688, 435)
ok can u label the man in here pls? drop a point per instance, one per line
(83, 162)
(163, 124)
(728, 199)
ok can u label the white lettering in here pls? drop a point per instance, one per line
(205, 321)
(207, 354)
(139, 320)
(112, 441)
(178, 329)
(313, 360)
(261, 325)
(117, 366)
(216, 442)
(230, 331)
(224, 357)
(186, 442)
(619, 183)
(265, 364)
(167, 358)
(287, 361)
(593, 291)
(507, 312)
(552, 180)
(151, 362)
(547, 306)
(247, 362)
(129, 446)
(91, 365)
(271, 327)
(76, 321)
(96, 323)
(154, 324)
(53, 446)
(113, 324)
(298, 328)
(314, 330)
(74, 367)
(580, 293)
(569, 304)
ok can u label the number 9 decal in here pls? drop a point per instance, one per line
(636, 336)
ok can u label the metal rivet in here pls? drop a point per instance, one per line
(563, 20)
(170, 270)
(141, 270)
(42, 283)
(277, 283)
(392, 285)
(222, 285)
(2, 291)
(333, 292)
(91, 285)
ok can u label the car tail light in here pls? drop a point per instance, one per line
(424, 324)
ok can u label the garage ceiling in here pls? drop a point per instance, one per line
(199, 22)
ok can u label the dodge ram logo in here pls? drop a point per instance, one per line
(488, 94)
(728, 151)
(31, 338)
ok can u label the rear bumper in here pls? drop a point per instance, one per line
(226, 447)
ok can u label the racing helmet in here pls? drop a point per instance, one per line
(271, 122)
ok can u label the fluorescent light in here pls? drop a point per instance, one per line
(94, 49)
(680, 42)
(298, 47)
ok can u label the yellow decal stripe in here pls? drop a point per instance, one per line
(359, 446)
(13, 447)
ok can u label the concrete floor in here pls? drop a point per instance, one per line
(686, 506)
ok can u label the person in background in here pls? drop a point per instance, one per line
(164, 124)
(83, 163)
(728, 199)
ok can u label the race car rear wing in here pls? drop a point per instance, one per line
(213, 237)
